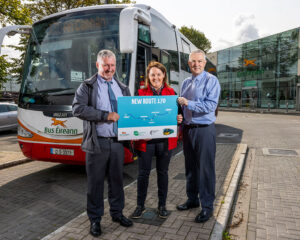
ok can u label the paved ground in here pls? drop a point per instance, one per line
(50, 182)
(268, 201)
(36, 198)
(179, 225)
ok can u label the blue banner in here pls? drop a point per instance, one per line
(147, 117)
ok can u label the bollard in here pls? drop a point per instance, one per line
(287, 107)
(269, 105)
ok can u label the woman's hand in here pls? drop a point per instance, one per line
(179, 118)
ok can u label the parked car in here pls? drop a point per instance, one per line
(8, 116)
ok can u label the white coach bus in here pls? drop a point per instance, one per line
(61, 53)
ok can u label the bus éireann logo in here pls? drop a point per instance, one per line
(58, 122)
(249, 62)
(60, 128)
(211, 70)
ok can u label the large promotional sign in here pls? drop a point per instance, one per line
(147, 117)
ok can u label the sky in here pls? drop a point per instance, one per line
(229, 23)
(225, 23)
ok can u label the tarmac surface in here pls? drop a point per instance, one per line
(179, 225)
(266, 204)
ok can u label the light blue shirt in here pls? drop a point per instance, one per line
(202, 92)
(105, 129)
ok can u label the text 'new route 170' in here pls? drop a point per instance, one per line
(147, 117)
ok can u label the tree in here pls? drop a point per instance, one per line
(196, 37)
(4, 66)
(42, 8)
(12, 12)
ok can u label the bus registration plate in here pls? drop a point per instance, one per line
(60, 151)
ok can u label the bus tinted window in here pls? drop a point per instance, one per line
(144, 34)
(163, 37)
(184, 55)
(62, 53)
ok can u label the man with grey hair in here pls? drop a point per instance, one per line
(95, 102)
(199, 100)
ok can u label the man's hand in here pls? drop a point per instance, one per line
(182, 101)
(179, 118)
(113, 116)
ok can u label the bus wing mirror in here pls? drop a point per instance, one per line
(12, 30)
(129, 19)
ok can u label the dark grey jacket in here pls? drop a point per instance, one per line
(85, 107)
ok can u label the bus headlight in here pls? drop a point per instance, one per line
(24, 133)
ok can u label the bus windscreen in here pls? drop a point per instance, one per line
(62, 53)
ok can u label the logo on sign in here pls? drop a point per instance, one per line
(137, 133)
(154, 132)
(123, 134)
(249, 62)
(61, 128)
(168, 131)
(58, 122)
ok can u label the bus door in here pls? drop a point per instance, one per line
(142, 61)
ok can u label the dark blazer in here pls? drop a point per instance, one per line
(85, 107)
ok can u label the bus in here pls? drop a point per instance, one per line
(61, 54)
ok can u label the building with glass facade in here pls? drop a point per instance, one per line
(264, 73)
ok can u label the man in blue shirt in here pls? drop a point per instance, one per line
(199, 100)
(95, 103)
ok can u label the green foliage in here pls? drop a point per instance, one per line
(14, 12)
(4, 67)
(226, 236)
(196, 37)
(42, 8)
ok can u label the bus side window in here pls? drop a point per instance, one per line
(184, 55)
(155, 54)
(165, 60)
(141, 66)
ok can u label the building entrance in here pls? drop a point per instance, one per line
(298, 97)
(249, 97)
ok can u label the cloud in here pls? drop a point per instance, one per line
(222, 44)
(246, 29)
(247, 33)
(241, 19)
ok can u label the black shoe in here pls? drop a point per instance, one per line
(138, 212)
(187, 206)
(124, 221)
(162, 212)
(95, 229)
(203, 216)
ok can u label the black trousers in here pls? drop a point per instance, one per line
(163, 156)
(109, 163)
(199, 147)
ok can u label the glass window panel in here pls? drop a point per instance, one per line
(268, 45)
(223, 56)
(236, 53)
(163, 37)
